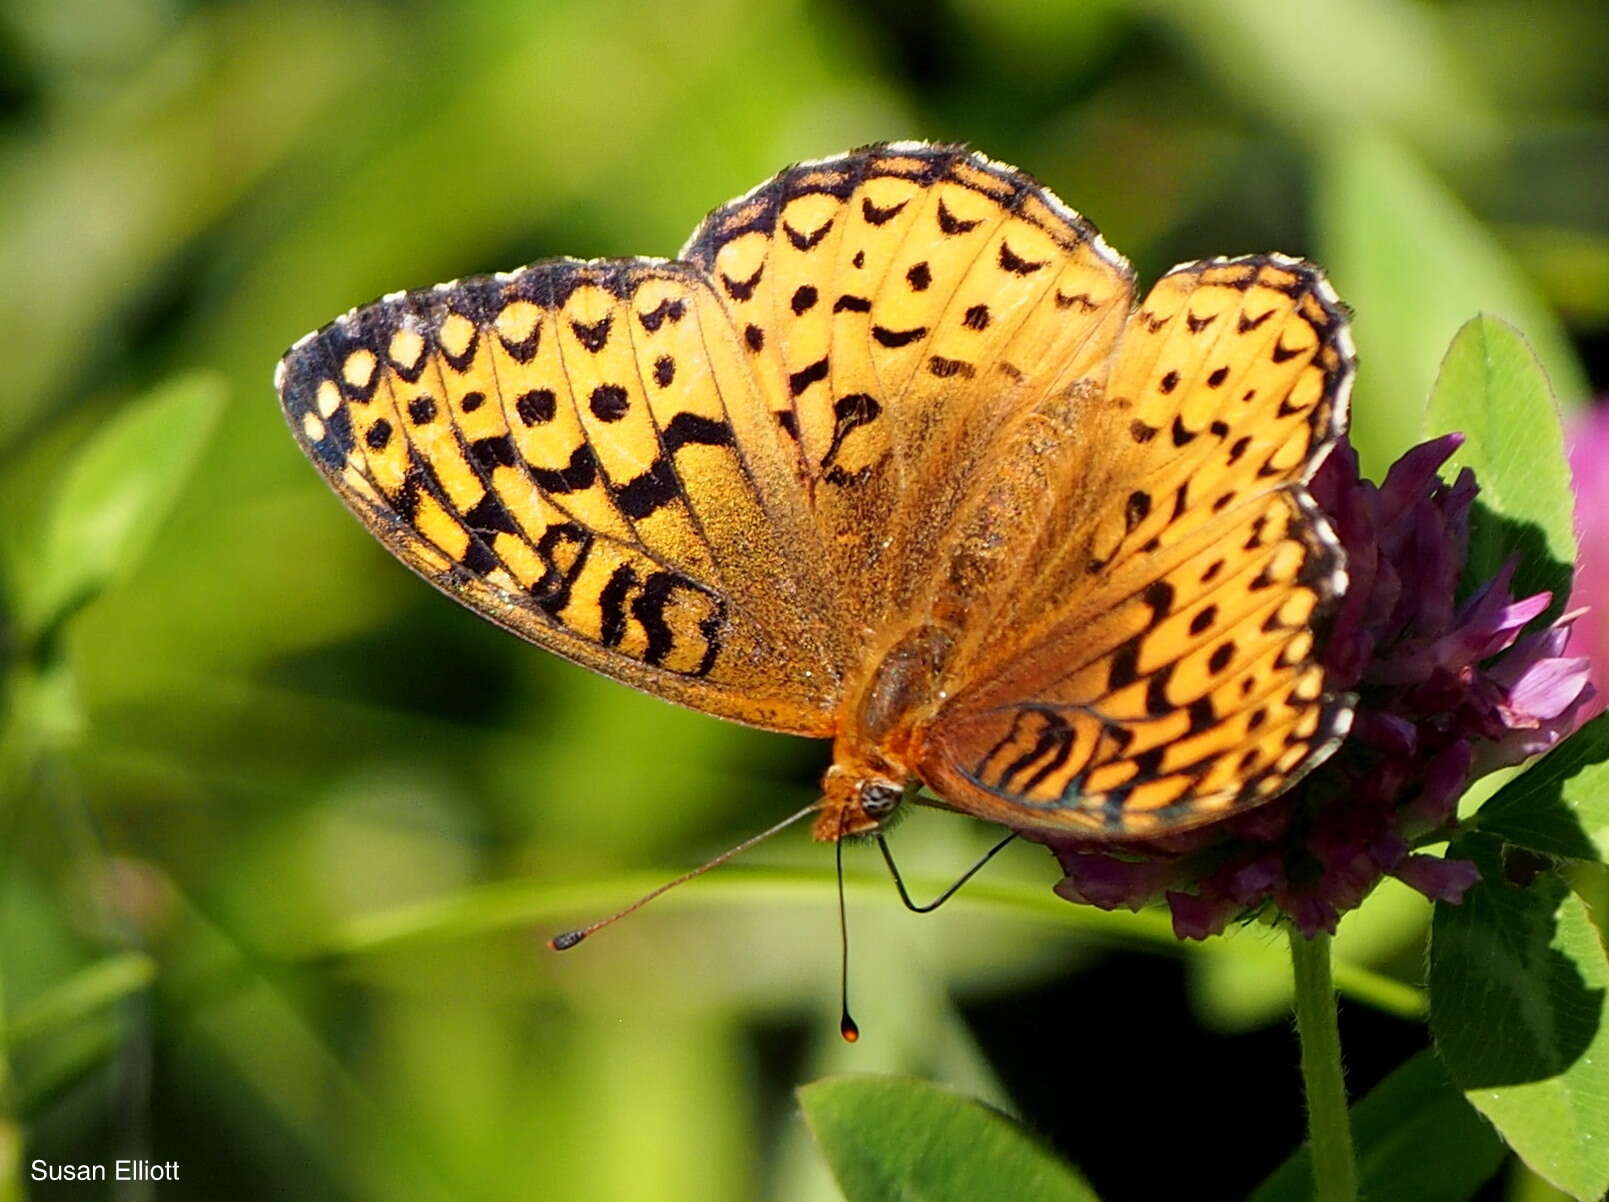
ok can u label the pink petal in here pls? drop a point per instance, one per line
(1410, 477)
(1436, 878)
(1546, 690)
(1521, 744)
(1196, 918)
(1110, 883)
(1392, 733)
(1445, 777)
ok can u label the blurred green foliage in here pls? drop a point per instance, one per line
(282, 825)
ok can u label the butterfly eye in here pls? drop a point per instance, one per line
(878, 798)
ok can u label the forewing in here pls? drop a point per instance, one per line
(904, 305)
(1156, 666)
(578, 452)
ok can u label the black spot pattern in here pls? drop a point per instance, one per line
(897, 338)
(496, 451)
(879, 216)
(1125, 668)
(576, 476)
(537, 405)
(552, 590)
(612, 605)
(406, 499)
(849, 414)
(595, 336)
(807, 241)
(1016, 264)
(944, 368)
(806, 376)
(1082, 299)
(1157, 701)
(742, 290)
(654, 599)
(949, 223)
(649, 492)
(1159, 596)
(609, 402)
(489, 518)
(686, 428)
(479, 558)
(666, 310)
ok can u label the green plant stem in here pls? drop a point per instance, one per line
(1329, 1128)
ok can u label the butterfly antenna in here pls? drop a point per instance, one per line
(899, 883)
(568, 939)
(847, 1026)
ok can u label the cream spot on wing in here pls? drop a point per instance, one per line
(456, 333)
(406, 348)
(359, 368)
(517, 320)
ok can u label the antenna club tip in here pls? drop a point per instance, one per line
(849, 1030)
(567, 940)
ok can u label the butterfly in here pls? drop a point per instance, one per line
(891, 455)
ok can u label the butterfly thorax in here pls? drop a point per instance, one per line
(873, 754)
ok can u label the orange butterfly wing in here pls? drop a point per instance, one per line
(1152, 665)
(903, 305)
(577, 452)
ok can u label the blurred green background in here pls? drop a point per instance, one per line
(283, 827)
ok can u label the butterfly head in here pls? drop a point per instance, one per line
(856, 801)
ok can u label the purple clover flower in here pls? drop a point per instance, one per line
(1446, 691)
